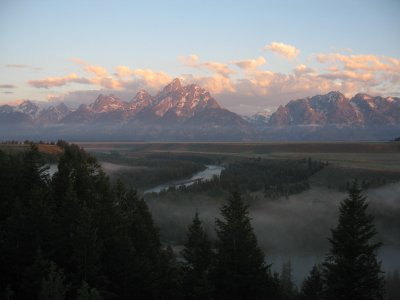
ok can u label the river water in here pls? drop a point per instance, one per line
(207, 174)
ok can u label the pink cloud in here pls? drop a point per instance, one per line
(152, 78)
(303, 69)
(285, 50)
(250, 64)
(253, 85)
(364, 62)
(193, 61)
(58, 81)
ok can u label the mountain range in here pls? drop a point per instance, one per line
(190, 113)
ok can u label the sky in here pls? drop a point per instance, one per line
(251, 55)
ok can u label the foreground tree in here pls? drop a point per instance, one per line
(240, 269)
(53, 286)
(198, 259)
(351, 269)
(393, 285)
(88, 293)
(287, 286)
(312, 288)
(77, 222)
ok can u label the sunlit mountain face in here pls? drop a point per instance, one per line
(190, 112)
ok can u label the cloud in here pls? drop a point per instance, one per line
(245, 86)
(124, 78)
(217, 84)
(282, 49)
(152, 78)
(193, 61)
(58, 81)
(218, 68)
(250, 64)
(346, 75)
(149, 78)
(19, 66)
(363, 62)
(92, 69)
(106, 82)
(190, 61)
(303, 69)
(97, 70)
(123, 71)
(7, 86)
(362, 72)
(75, 98)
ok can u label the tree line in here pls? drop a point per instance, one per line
(74, 235)
(275, 178)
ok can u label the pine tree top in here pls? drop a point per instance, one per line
(351, 269)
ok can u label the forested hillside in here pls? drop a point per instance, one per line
(75, 235)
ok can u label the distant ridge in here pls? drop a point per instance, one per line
(335, 109)
(189, 112)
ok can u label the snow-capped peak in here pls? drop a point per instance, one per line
(106, 103)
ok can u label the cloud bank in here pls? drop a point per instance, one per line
(245, 85)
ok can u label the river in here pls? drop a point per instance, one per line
(207, 174)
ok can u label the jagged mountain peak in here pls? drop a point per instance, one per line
(141, 95)
(102, 98)
(335, 108)
(105, 103)
(173, 86)
(332, 97)
(183, 102)
(334, 94)
(141, 101)
(190, 112)
(62, 107)
(362, 96)
(28, 105)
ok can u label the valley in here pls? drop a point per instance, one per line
(290, 224)
(293, 189)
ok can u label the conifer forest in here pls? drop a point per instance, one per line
(81, 232)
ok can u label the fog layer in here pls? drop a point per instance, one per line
(295, 228)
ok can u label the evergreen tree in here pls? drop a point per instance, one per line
(197, 265)
(87, 293)
(169, 283)
(27, 219)
(53, 285)
(86, 247)
(351, 269)
(141, 267)
(34, 173)
(7, 294)
(312, 288)
(33, 275)
(288, 288)
(393, 285)
(240, 269)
